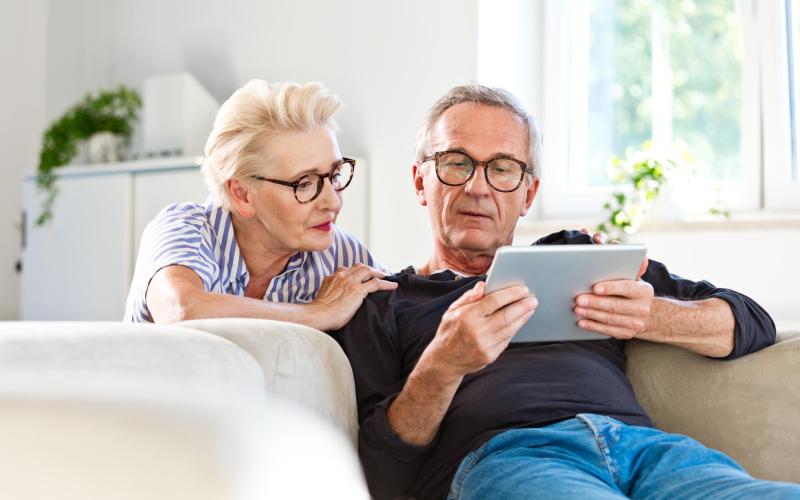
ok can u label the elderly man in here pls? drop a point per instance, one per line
(447, 405)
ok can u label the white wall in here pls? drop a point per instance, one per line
(387, 60)
(22, 77)
(761, 262)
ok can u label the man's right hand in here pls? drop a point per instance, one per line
(477, 328)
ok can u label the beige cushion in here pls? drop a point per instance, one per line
(89, 447)
(748, 408)
(66, 353)
(112, 410)
(299, 363)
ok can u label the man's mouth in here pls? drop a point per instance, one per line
(470, 213)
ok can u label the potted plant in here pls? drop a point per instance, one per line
(644, 176)
(109, 111)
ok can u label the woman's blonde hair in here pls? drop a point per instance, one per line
(253, 116)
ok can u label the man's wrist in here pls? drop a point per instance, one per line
(435, 368)
(656, 326)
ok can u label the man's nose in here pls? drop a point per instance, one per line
(477, 185)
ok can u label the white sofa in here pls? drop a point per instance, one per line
(234, 408)
(120, 411)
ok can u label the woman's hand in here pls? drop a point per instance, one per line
(599, 238)
(342, 293)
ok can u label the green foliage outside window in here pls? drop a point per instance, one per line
(114, 111)
(703, 45)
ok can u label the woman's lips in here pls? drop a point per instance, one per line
(325, 226)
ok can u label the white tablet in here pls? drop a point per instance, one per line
(556, 274)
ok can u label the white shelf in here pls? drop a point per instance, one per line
(124, 167)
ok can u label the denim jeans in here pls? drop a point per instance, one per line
(594, 457)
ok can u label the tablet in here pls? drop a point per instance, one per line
(556, 274)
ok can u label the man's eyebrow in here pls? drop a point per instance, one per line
(496, 155)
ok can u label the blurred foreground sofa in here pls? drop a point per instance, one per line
(241, 409)
(93, 410)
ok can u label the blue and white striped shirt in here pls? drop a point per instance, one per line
(201, 237)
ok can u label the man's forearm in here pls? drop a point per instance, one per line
(703, 326)
(417, 412)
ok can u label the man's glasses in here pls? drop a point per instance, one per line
(503, 173)
(308, 187)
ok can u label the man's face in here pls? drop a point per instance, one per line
(474, 217)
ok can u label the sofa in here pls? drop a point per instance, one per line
(94, 410)
(240, 408)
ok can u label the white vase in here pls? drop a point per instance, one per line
(666, 206)
(104, 147)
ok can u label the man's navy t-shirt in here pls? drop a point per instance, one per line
(529, 385)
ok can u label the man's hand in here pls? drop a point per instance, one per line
(620, 309)
(473, 332)
(476, 328)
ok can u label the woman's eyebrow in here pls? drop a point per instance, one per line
(317, 171)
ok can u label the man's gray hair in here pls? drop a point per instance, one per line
(480, 94)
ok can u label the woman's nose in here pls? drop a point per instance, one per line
(329, 199)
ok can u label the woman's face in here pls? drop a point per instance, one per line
(289, 224)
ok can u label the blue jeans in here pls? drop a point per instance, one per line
(594, 457)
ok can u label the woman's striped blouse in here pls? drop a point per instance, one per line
(201, 237)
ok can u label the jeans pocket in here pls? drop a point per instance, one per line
(464, 469)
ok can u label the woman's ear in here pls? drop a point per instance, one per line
(419, 184)
(239, 193)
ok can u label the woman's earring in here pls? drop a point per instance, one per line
(252, 213)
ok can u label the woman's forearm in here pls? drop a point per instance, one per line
(206, 305)
(177, 294)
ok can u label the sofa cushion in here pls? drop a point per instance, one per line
(301, 364)
(66, 354)
(747, 408)
(159, 443)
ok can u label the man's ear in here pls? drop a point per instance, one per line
(240, 197)
(530, 194)
(419, 184)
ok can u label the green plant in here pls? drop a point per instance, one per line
(114, 111)
(646, 173)
(643, 174)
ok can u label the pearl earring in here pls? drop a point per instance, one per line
(252, 213)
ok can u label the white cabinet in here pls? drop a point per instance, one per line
(78, 266)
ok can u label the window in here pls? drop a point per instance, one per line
(709, 75)
(793, 57)
(776, 26)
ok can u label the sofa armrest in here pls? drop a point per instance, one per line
(746, 408)
(300, 363)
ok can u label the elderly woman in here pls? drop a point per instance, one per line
(265, 243)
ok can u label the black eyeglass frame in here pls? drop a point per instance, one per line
(524, 168)
(320, 182)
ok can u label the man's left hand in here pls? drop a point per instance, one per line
(619, 309)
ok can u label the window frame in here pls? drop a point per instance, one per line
(766, 139)
(780, 190)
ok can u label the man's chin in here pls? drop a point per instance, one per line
(475, 241)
